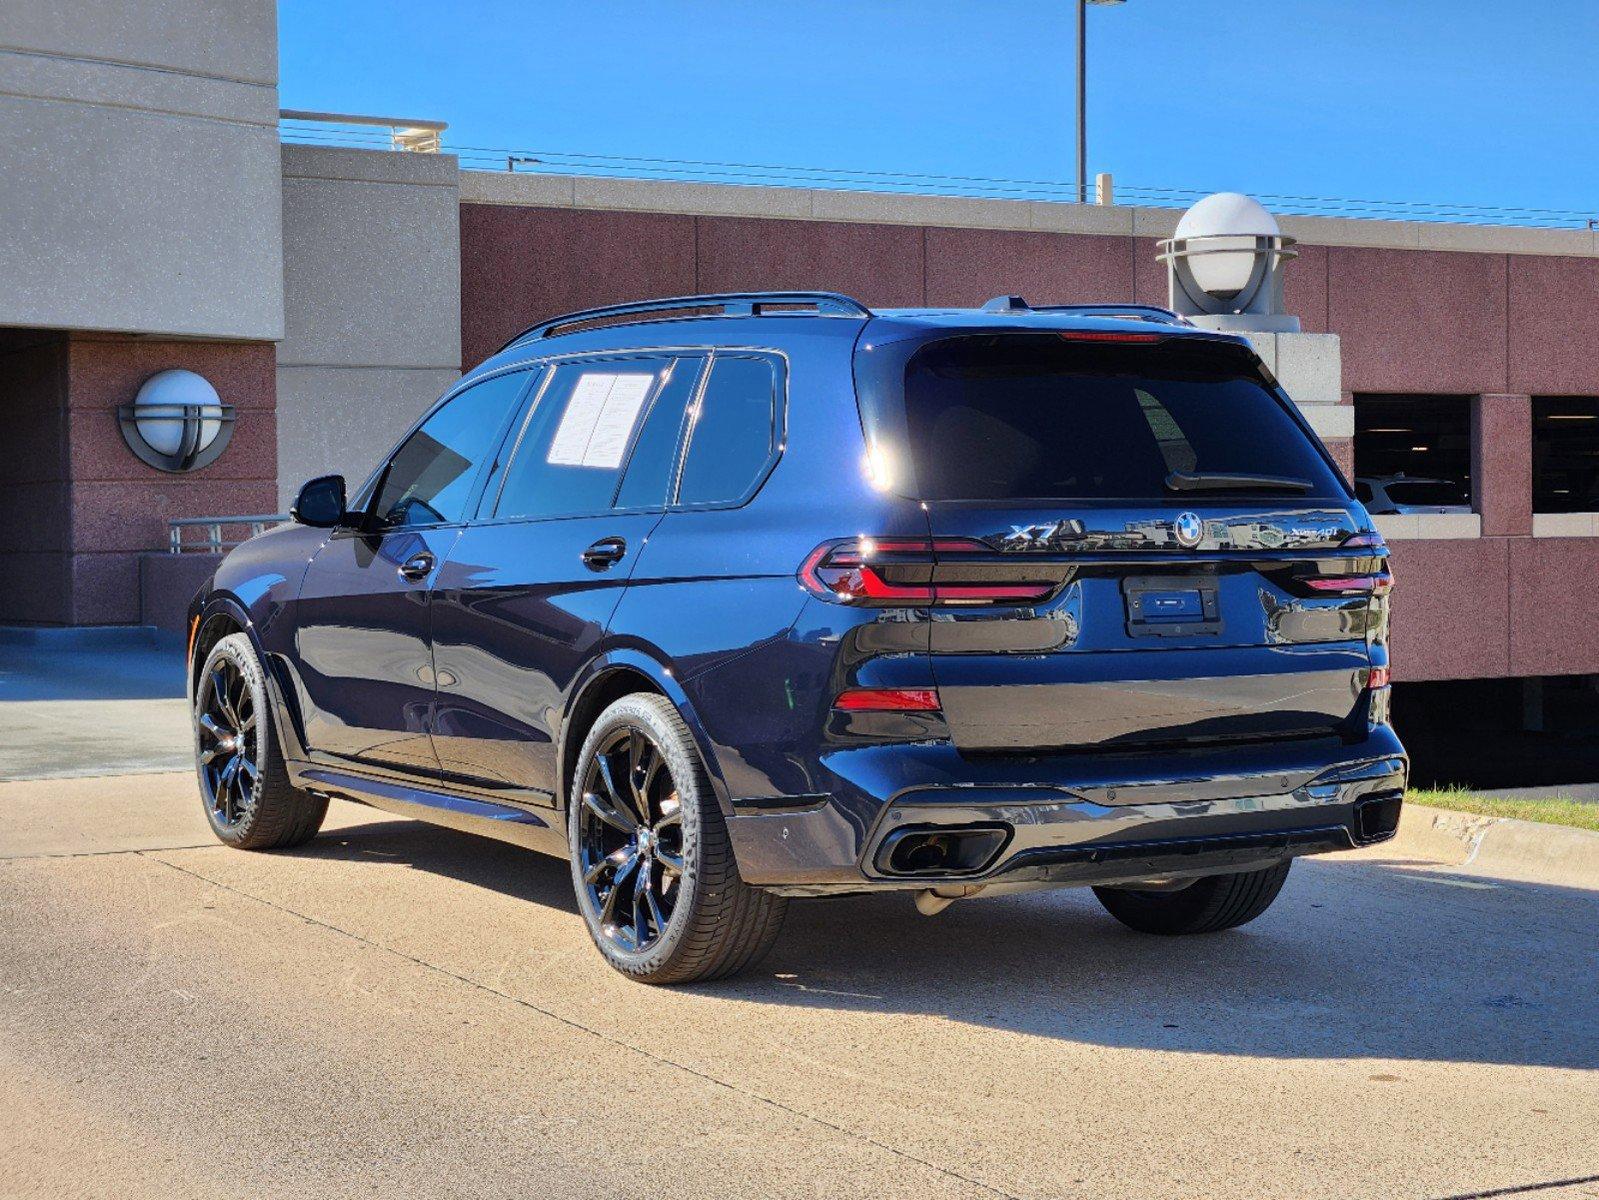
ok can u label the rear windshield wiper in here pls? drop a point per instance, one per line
(1205, 481)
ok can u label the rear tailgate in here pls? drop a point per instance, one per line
(1150, 642)
(1161, 550)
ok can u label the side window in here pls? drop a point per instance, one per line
(431, 476)
(733, 432)
(647, 482)
(1362, 491)
(569, 458)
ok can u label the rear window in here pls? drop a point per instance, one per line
(1036, 417)
(1426, 492)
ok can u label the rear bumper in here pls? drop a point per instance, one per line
(1056, 834)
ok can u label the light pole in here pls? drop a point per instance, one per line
(1082, 95)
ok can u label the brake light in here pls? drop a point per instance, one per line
(1375, 585)
(1365, 541)
(1105, 335)
(1376, 678)
(887, 700)
(856, 571)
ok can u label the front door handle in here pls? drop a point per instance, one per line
(417, 567)
(604, 554)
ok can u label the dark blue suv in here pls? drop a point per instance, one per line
(730, 599)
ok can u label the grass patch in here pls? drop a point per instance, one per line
(1555, 811)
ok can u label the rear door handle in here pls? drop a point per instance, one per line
(604, 554)
(417, 567)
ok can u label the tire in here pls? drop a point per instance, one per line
(1208, 905)
(251, 805)
(699, 920)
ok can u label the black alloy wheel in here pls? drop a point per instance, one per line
(229, 743)
(630, 839)
(249, 799)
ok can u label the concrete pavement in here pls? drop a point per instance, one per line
(91, 701)
(400, 1010)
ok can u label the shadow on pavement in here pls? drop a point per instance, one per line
(1380, 960)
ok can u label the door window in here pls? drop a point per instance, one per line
(733, 432)
(431, 477)
(570, 454)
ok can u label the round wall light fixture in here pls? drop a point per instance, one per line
(177, 422)
(1224, 265)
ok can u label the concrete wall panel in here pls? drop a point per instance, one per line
(1451, 609)
(138, 168)
(1418, 321)
(343, 420)
(372, 276)
(969, 266)
(878, 264)
(1554, 325)
(520, 265)
(224, 39)
(1555, 632)
(371, 265)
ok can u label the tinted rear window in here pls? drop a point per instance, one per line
(1036, 417)
(1426, 492)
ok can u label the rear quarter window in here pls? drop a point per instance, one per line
(733, 435)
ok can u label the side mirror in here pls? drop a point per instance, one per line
(321, 503)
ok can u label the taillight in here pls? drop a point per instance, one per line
(1365, 541)
(1376, 678)
(1374, 585)
(887, 700)
(858, 570)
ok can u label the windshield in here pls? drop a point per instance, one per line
(1428, 492)
(1038, 417)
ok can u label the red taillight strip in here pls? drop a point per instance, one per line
(887, 700)
(855, 578)
(1376, 678)
(1375, 584)
(1365, 541)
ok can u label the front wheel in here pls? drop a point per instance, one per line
(1207, 905)
(652, 863)
(244, 784)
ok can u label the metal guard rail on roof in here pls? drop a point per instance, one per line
(732, 304)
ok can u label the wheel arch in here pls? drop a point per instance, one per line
(609, 678)
(221, 615)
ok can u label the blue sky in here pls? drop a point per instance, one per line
(1467, 101)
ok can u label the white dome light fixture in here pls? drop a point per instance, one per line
(1224, 266)
(177, 422)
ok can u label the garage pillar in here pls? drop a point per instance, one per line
(1501, 464)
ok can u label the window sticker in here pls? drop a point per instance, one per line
(599, 419)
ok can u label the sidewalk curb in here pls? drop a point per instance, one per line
(1501, 846)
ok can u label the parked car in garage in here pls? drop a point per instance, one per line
(1389, 494)
(735, 599)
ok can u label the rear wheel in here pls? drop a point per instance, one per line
(652, 863)
(248, 798)
(1207, 905)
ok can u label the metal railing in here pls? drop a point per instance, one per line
(405, 133)
(213, 541)
(334, 129)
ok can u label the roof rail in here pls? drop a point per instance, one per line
(1132, 312)
(732, 304)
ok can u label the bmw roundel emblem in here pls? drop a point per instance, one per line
(1189, 529)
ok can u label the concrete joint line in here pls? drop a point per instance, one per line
(449, 185)
(610, 1039)
(131, 65)
(164, 113)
